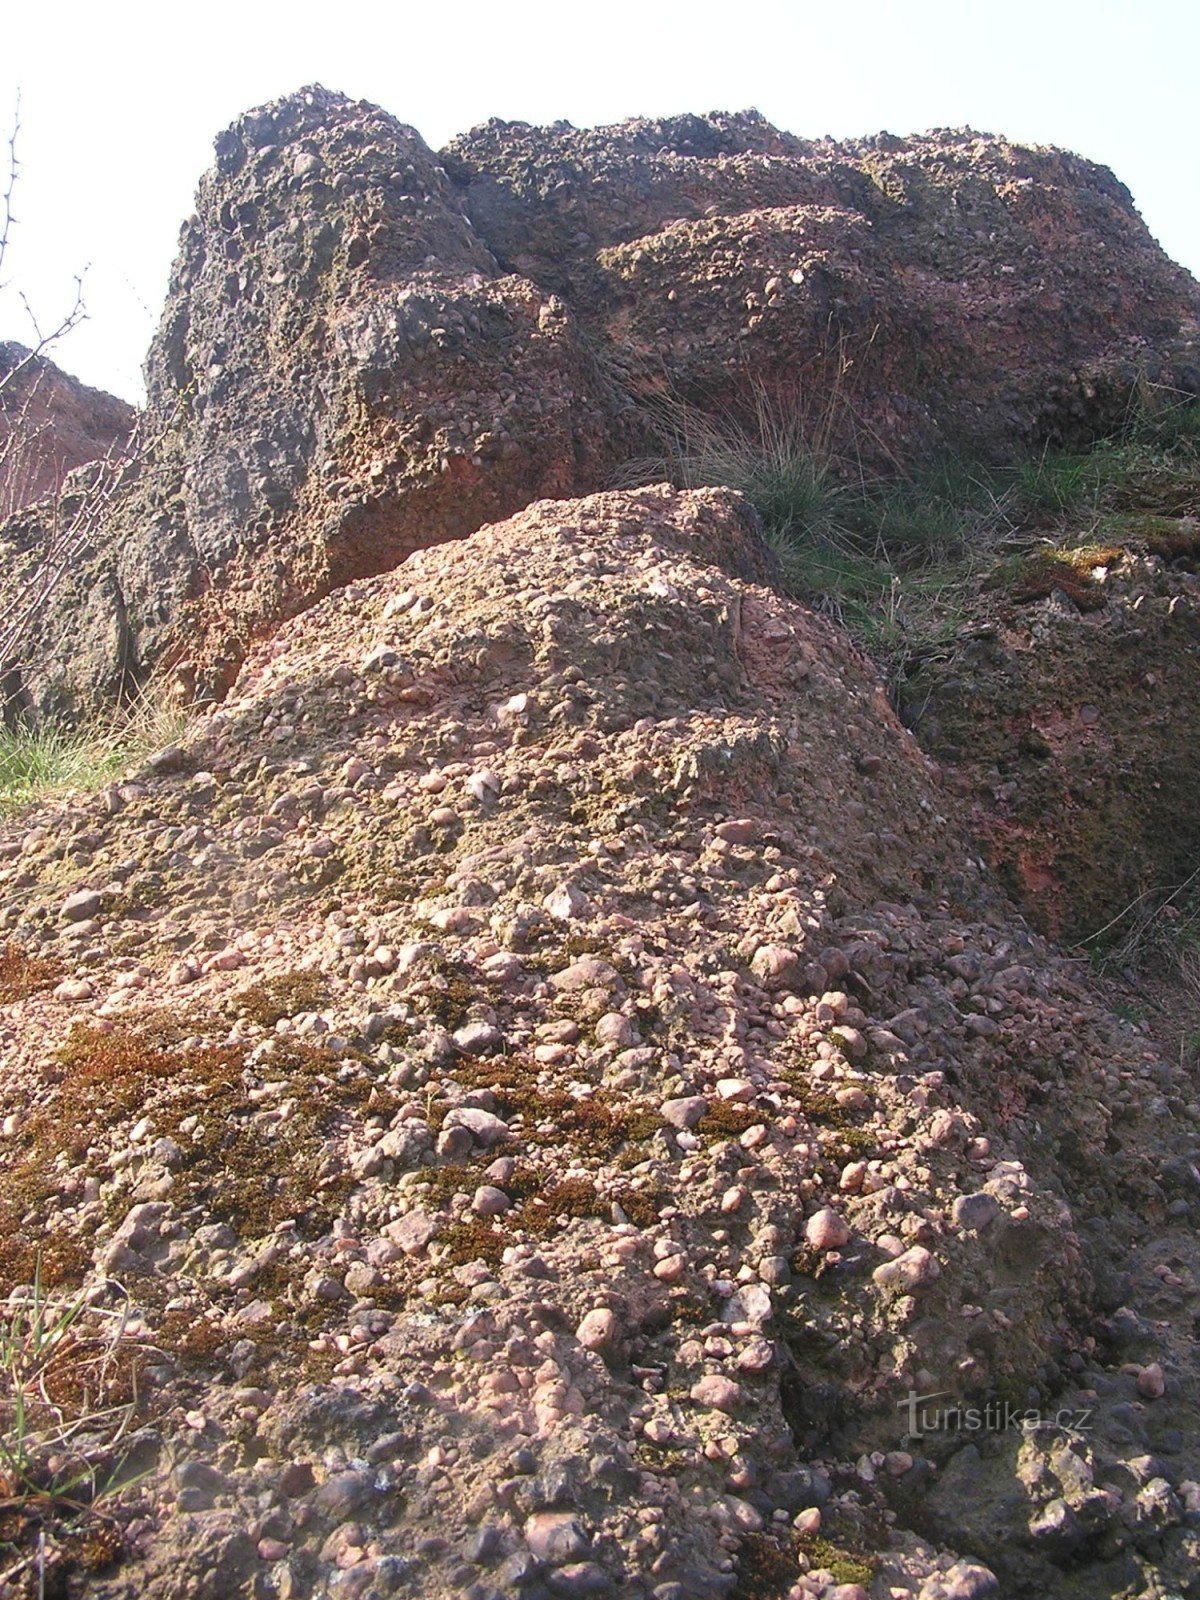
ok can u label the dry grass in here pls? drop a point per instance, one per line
(68, 1395)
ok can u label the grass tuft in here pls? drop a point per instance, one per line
(37, 763)
(68, 1394)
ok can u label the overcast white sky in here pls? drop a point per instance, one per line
(121, 102)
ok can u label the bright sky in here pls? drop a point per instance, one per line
(120, 102)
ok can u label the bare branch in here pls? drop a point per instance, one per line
(42, 340)
(6, 216)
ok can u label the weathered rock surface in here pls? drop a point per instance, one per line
(368, 348)
(947, 289)
(60, 424)
(1065, 721)
(663, 1371)
(342, 375)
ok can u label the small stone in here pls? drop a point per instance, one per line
(717, 1393)
(775, 966)
(490, 1202)
(362, 1279)
(975, 1211)
(296, 1479)
(81, 905)
(581, 1578)
(343, 1493)
(556, 1537)
(412, 1232)
(751, 1304)
(908, 1270)
(598, 1330)
(74, 990)
(566, 904)
(1151, 1383)
(850, 1041)
(478, 1038)
(616, 1031)
(484, 1127)
(965, 1580)
(586, 973)
(756, 1356)
(685, 1112)
(827, 1230)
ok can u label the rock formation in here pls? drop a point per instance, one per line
(540, 1091)
(59, 423)
(544, 1075)
(368, 348)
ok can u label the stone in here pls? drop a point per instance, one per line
(908, 1270)
(598, 1330)
(556, 1537)
(964, 1580)
(490, 1202)
(827, 1230)
(717, 1393)
(684, 1112)
(776, 967)
(344, 1493)
(751, 1304)
(64, 425)
(485, 1127)
(975, 1211)
(478, 1038)
(412, 1232)
(82, 905)
(1151, 1384)
(589, 972)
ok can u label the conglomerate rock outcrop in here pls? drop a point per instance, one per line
(50, 423)
(368, 347)
(543, 1085)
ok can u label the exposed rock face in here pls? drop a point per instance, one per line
(948, 289)
(545, 1053)
(368, 348)
(342, 375)
(60, 424)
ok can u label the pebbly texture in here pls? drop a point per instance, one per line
(545, 1073)
(342, 375)
(59, 422)
(950, 289)
(368, 348)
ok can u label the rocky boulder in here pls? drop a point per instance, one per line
(50, 423)
(368, 348)
(949, 289)
(342, 375)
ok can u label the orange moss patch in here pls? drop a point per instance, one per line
(23, 974)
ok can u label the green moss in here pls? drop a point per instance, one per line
(725, 1119)
(845, 1566)
(809, 1262)
(766, 1568)
(598, 1125)
(543, 1207)
(451, 992)
(472, 1239)
(196, 1095)
(1036, 577)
